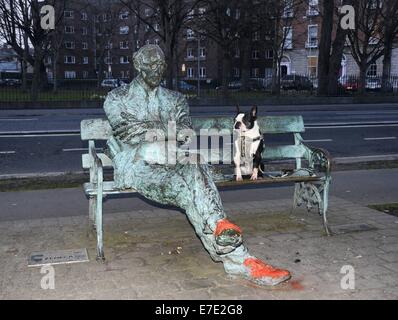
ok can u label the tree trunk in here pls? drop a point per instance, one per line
(325, 46)
(362, 77)
(335, 60)
(385, 86)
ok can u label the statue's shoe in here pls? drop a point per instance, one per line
(228, 234)
(258, 271)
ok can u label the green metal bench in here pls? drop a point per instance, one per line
(311, 181)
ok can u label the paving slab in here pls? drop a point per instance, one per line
(142, 260)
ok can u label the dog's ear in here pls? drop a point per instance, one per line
(253, 112)
(237, 109)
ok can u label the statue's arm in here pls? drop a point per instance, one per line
(125, 127)
(183, 120)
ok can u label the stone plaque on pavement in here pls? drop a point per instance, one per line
(41, 258)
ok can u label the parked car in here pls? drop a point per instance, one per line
(112, 83)
(296, 82)
(350, 83)
(183, 85)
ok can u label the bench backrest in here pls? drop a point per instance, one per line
(99, 129)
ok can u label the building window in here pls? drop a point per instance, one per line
(236, 72)
(190, 73)
(255, 72)
(124, 60)
(124, 45)
(269, 54)
(84, 45)
(287, 9)
(147, 12)
(69, 59)
(108, 45)
(313, 9)
(124, 30)
(156, 41)
(372, 71)
(237, 52)
(68, 14)
(83, 16)
(202, 52)
(190, 34)
(70, 74)
(108, 60)
(124, 74)
(312, 40)
(255, 54)
(202, 72)
(137, 43)
(136, 28)
(157, 27)
(201, 11)
(288, 37)
(69, 45)
(84, 31)
(124, 15)
(85, 74)
(69, 29)
(85, 60)
(190, 53)
(256, 36)
(313, 66)
(106, 17)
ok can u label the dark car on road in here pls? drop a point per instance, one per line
(296, 82)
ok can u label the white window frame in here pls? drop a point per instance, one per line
(71, 74)
(85, 74)
(85, 45)
(72, 59)
(202, 52)
(190, 34)
(190, 72)
(190, 53)
(288, 43)
(71, 43)
(256, 72)
(124, 45)
(310, 43)
(85, 60)
(255, 54)
(70, 28)
(202, 72)
(68, 14)
(236, 72)
(124, 30)
(288, 9)
(372, 71)
(124, 60)
(269, 54)
(124, 15)
(313, 8)
(84, 31)
(83, 16)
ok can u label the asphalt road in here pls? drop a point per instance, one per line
(362, 186)
(37, 141)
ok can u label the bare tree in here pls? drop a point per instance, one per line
(367, 43)
(166, 19)
(390, 22)
(24, 16)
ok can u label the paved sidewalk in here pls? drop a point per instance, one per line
(144, 262)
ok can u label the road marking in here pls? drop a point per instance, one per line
(355, 126)
(79, 149)
(319, 140)
(380, 138)
(11, 119)
(381, 157)
(7, 152)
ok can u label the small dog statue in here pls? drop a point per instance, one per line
(248, 145)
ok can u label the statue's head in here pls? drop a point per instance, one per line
(150, 63)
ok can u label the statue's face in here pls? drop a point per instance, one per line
(152, 67)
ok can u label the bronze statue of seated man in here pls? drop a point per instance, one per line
(137, 110)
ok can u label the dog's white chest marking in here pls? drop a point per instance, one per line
(246, 144)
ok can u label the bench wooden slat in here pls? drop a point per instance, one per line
(106, 162)
(283, 152)
(109, 186)
(99, 129)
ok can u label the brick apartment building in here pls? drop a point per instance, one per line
(97, 38)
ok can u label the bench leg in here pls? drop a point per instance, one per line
(99, 228)
(325, 205)
(92, 205)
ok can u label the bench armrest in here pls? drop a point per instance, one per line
(319, 159)
(96, 169)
